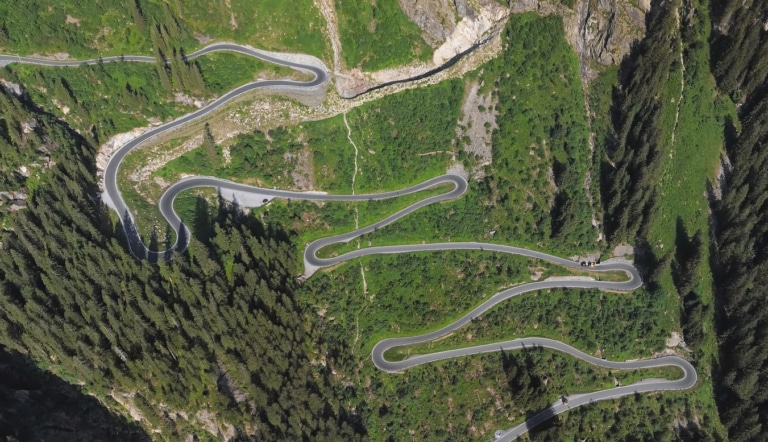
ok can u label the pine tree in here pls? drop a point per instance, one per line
(209, 149)
(137, 13)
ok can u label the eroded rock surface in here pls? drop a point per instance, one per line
(603, 31)
(468, 31)
(437, 18)
(477, 125)
(600, 31)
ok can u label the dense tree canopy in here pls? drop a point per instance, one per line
(218, 329)
(740, 48)
(631, 171)
(741, 68)
(742, 245)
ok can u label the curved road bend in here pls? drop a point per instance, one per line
(113, 198)
(649, 385)
(688, 380)
(214, 47)
(311, 264)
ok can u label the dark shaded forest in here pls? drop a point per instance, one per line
(740, 50)
(37, 405)
(739, 222)
(219, 329)
(740, 58)
(637, 145)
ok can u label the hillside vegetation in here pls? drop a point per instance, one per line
(175, 342)
(376, 34)
(532, 193)
(114, 27)
(225, 342)
(740, 57)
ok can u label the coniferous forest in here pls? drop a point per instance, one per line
(219, 327)
(739, 220)
(637, 149)
(223, 327)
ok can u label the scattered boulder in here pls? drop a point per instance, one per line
(29, 125)
(14, 88)
(72, 20)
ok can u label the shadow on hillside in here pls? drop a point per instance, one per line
(37, 405)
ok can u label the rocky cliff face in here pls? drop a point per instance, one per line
(469, 31)
(437, 18)
(452, 26)
(600, 31)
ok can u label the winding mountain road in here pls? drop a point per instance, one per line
(111, 195)
(312, 262)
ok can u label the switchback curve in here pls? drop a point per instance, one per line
(312, 262)
(111, 195)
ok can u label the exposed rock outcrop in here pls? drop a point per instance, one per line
(468, 31)
(14, 88)
(542, 7)
(600, 31)
(106, 150)
(12, 201)
(480, 23)
(603, 31)
(437, 18)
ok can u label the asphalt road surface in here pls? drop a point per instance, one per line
(312, 262)
(570, 402)
(111, 195)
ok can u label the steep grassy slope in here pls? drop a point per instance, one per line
(376, 34)
(126, 26)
